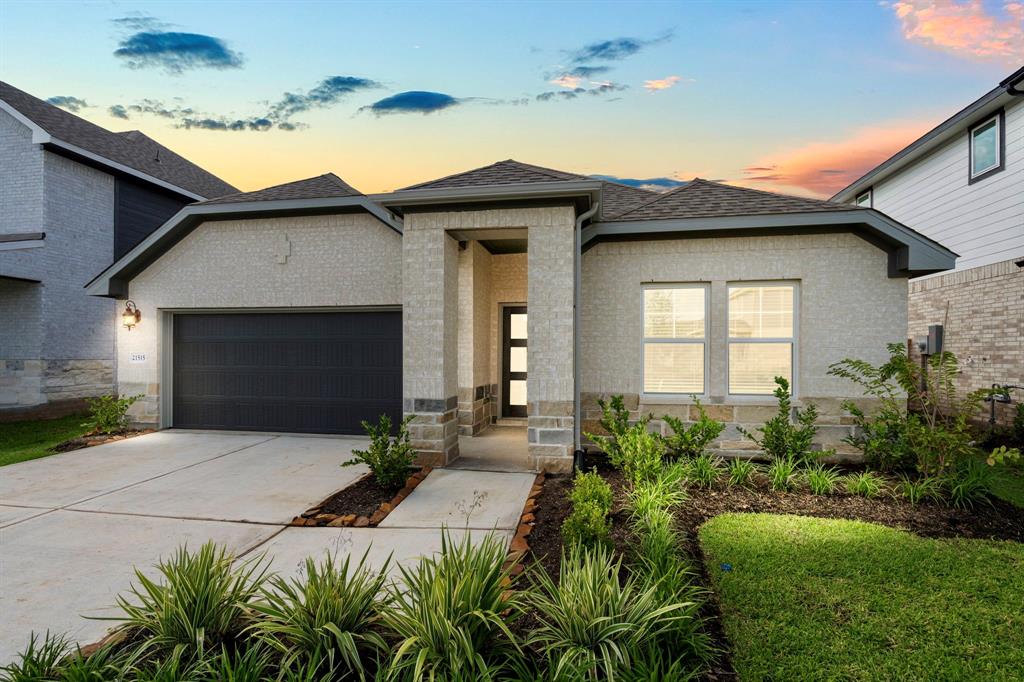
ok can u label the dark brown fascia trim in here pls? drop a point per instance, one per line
(1000, 116)
(911, 253)
(22, 237)
(490, 193)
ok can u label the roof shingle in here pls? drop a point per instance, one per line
(615, 198)
(705, 199)
(320, 187)
(132, 148)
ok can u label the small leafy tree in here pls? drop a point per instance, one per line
(388, 459)
(109, 414)
(615, 421)
(691, 441)
(785, 438)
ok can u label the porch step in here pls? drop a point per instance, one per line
(511, 421)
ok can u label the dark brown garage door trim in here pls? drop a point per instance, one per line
(167, 346)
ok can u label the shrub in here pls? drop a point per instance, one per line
(388, 459)
(703, 470)
(108, 414)
(324, 617)
(780, 437)
(916, 490)
(200, 603)
(691, 441)
(782, 474)
(865, 484)
(587, 525)
(590, 621)
(822, 480)
(591, 487)
(970, 483)
(641, 452)
(741, 472)
(933, 438)
(448, 616)
(615, 421)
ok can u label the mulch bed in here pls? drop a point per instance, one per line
(97, 439)
(364, 503)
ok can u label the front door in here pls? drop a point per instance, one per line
(513, 353)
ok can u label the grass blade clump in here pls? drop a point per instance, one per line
(448, 614)
(704, 470)
(741, 472)
(823, 480)
(326, 616)
(866, 484)
(782, 474)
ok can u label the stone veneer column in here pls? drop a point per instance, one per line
(549, 386)
(430, 333)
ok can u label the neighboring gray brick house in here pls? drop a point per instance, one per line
(963, 183)
(505, 299)
(73, 197)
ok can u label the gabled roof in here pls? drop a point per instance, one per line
(955, 125)
(703, 198)
(615, 197)
(132, 152)
(320, 187)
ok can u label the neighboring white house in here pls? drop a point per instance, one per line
(73, 197)
(962, 184)
(509, 293)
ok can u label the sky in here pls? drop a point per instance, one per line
(797, 97)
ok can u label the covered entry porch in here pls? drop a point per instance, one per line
(488, 359)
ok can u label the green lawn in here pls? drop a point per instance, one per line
(22, 441)
(1010, 486)
(821, 599)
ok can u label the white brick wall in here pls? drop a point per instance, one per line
(334, 261)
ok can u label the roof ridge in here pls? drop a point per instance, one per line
(542, 169)
(658, 197)
(771, 193)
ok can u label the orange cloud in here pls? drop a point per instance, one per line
(964, 29)
(661, 83)
(567, 81)
(821, 169)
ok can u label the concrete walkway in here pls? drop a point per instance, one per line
(74, 526)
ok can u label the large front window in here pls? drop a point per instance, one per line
(675, 338)
(761, 336)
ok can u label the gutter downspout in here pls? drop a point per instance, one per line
(577, 296)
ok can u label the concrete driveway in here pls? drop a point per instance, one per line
(74, 526)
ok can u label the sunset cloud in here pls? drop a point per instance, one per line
(821, 169)
(664, 83)
(965, 29)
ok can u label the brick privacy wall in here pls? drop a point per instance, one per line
(65, 336)
(332, 261)
(848, 307)
(983, 313)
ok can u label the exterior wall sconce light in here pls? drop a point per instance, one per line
(131, 315)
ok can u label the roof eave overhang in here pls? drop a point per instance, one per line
(113, 282)
(444, 196)
(927, 143)
(910, 254)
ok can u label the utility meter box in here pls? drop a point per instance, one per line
(934, 345)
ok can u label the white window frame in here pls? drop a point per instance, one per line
(706, 340)
(972, 174)
(870, 196)
(794, 341)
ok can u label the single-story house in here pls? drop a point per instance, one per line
(509, 293)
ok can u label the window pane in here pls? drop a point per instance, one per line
(517, 326)
(517, 359)
(984, 152)
(674, 368)
(864, 199)
(674, 313)
(754, 366)
(764, 312)
(517, 392)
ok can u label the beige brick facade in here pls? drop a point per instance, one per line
(331, 261)
(848, 307)
(982, 310)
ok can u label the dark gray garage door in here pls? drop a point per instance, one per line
(300, 372)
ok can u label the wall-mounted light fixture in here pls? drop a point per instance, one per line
(131, 315)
